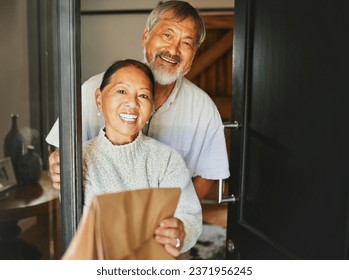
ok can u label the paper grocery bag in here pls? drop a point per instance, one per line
(121, 226)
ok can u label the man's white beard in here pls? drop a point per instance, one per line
(161, 75)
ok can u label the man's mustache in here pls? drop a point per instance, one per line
(167, 54)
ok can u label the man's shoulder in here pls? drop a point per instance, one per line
(190, 88)
(198, 96)
(94, 81)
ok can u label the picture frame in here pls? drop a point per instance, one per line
(7, 175)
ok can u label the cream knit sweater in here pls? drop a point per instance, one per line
(144, 163)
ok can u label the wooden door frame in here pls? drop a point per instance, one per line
(242, 58)
(240, 90)
(69, 84)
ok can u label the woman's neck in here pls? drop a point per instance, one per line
(119, 139)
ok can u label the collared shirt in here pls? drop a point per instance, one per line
(189, 122)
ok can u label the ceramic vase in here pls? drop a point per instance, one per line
(13, 144)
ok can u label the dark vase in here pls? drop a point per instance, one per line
(13, 144)
(30, 167)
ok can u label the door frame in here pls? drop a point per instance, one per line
(69, 92)
(240, 88)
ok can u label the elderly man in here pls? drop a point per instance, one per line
(185, 117)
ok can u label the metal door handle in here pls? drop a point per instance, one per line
(230, 198)
(231, 125)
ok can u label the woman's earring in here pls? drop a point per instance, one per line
(99, 113)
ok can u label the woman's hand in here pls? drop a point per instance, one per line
(170, 233)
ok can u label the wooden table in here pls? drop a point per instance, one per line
(20, 202)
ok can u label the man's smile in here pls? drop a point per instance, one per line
(166, 56)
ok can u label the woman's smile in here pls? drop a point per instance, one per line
(129, 118)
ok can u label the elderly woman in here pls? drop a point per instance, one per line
(121, 158)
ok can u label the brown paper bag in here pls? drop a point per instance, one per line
(121, 226)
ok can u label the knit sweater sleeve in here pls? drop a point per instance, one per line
(188, 208)
(87, 187)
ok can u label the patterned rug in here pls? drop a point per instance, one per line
(211, 244)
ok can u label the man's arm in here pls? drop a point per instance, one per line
(202, 186)
(55, 169)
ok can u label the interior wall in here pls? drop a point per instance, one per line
(106, 38)
(14, 74)
(103, 5)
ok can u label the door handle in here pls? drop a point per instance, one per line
(231, 198)
(235, 125)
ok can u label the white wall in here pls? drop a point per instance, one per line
(109, 37)
(102, 5)
(14, 74)
(106, 38)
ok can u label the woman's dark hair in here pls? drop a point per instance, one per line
(117, 65)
